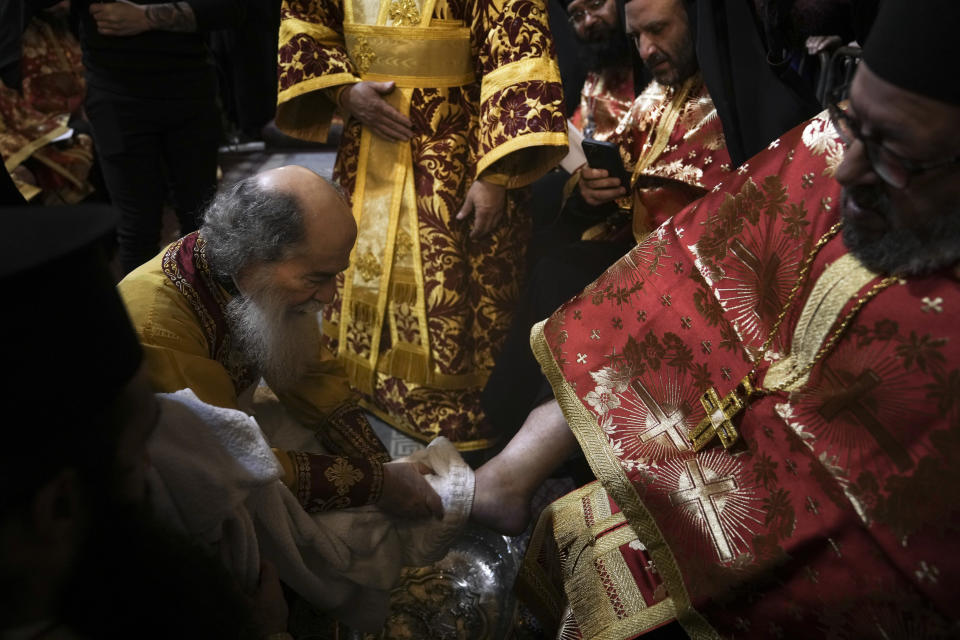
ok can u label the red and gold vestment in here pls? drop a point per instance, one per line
(423, 309)
(606, 95)
(835, 515)
(53, 88)
(671, 141)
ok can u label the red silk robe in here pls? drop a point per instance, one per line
(671, 141)
(836, 513)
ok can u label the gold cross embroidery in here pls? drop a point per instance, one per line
(369, 266)
(707, 493)
(667, 419)
(720, 413)
(404, 13)
(404, 244)
(363, 55)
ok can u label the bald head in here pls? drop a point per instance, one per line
(306, 187)
(275, 216)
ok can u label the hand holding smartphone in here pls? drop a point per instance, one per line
(605, 155)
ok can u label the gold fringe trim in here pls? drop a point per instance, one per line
(359, 374)
(587, 554)
(608, 470)
(407, 364)
(533, 585)
(404, 293)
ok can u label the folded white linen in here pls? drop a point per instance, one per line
(214, 477)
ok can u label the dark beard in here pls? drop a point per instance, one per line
(683, 64)
(136, 579)
(902, 251)
(611, 51)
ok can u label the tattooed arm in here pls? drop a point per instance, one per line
(124, 18)
(173, 16)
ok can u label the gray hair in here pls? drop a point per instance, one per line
(247, 224)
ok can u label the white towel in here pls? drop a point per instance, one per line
(215, 478)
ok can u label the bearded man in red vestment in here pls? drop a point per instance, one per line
(672, 142)
(772, 410)
(608, 88)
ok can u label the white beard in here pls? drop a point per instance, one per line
(279, 341)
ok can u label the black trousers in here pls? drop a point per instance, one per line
(516, 384)
(147, 149)
(246, 58)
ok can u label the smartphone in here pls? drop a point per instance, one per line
(601, 154)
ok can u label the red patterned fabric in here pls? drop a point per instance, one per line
(52, 66)
(53, 88)
(836, 515)
(606, 95)
(669, 174)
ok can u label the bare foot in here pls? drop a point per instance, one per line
(505, 484)
(498, 503)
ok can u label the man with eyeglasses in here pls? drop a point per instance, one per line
(901, 193)
(767, 387)
(608, 89)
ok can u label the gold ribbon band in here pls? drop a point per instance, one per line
(835, 288)
(413, 57)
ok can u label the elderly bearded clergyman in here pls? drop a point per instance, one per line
(237, 300)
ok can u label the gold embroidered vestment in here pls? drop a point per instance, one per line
(421, 312)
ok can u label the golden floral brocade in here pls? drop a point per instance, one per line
(422, 310)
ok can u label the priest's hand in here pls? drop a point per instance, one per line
(120, 18)
(406, 494)
(597, 188)
(487, 202)
(364, 101)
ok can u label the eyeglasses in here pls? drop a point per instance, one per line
(892, 168)
(591, 6)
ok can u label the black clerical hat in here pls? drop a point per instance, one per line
(68, 347)
(912, 45)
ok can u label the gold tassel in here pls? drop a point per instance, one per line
(360, 376)
(364, 313)
(413, 366)
(404, 293)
